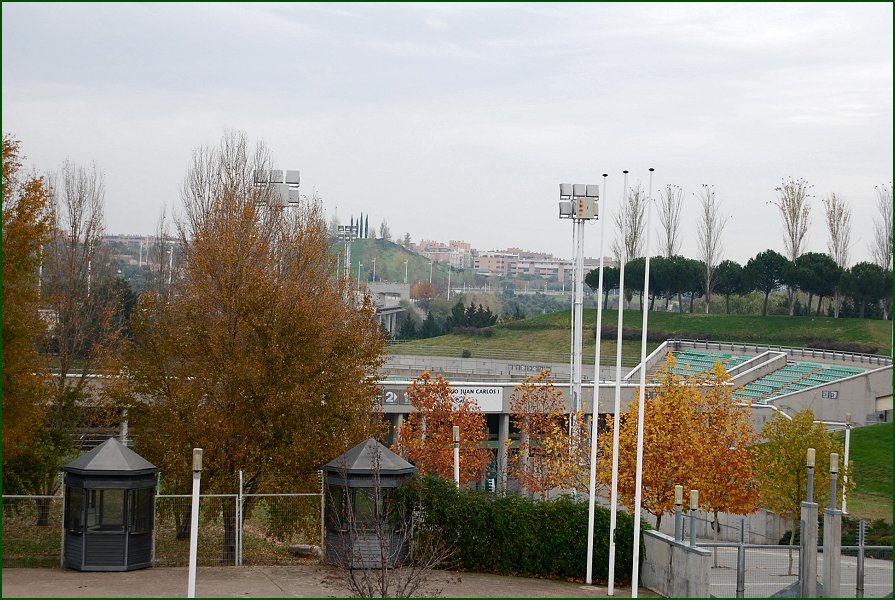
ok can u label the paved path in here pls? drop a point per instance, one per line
(305, 581)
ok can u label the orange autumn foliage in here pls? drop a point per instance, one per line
(426, 435)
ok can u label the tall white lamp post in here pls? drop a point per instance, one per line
(194, 522)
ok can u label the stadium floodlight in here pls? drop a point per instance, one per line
(284, 184)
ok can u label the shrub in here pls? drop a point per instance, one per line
(466, 354)
(514, 535)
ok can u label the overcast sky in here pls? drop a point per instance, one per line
(459, 121)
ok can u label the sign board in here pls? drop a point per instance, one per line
(831, 394)
(489, 398)
(533, 369)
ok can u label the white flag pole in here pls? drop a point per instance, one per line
(595, 412)
(638, 479)
(613, 502)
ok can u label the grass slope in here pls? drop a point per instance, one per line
(871, 458)
(547, 336)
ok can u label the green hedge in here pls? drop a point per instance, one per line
(514, 535)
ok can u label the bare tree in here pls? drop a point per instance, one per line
(384, 548)
(384, 232)
(629, 226)
(709, 229)
(838, 216)
(670, 218)
(78, 289)
(881, 247)
(792, 202)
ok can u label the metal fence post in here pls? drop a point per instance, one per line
(859, 584)
(322, 502)
(62, 545)
(158, 491)
(741, 561)
(239, 523)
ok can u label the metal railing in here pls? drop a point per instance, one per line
(759, 571)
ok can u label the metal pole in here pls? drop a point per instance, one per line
(62, 546)
(577, 332)
(359, 265)
(638, 477)
(741, 561)
(694, 504)
(809, 496)
(322, 513)
(430, 270)
(170, 263)
(845, 461)
(592, 489)
(239, 523)
(613, 499)
(194, 522)
(457, 455)
(859, 584)
(405, 271)
(449, 282)
(374, 270)
(678, 513)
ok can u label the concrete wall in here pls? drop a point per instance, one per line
(674, 569)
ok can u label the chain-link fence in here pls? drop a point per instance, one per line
(271, 525)
(771, 569)
(32, 531)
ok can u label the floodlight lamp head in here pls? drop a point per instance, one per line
(565, 209)
(565, 190)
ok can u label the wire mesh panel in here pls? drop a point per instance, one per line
(217, 530)
(274, 522)
(32, 531)
(877, 580)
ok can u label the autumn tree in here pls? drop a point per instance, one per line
(710, 228)
(546, 457)
(688, 430)
(726, 475)
(795, 212)
(27, 222)
(782, 472)
(838, 217)
(258, 355)
(423, 290)
(426, 435)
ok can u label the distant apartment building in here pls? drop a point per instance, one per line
(456, 253)
(498, 262)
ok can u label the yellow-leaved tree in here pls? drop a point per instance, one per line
(426, 435)
(547, 456)
(694, 436)
(783, 472)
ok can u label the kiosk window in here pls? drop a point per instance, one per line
(74, 509)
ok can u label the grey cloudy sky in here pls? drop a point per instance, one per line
(458, 121)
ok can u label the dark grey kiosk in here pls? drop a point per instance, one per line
(352, 532)
(109, 509)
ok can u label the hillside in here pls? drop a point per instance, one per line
(871, 458)
(547, 337)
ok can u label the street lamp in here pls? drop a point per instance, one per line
(374, 270)
(578, 202)
(359, 265)
(405, 271)
(283, 185)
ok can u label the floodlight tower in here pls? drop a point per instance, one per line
(578, 202)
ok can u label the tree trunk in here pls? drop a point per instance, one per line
(658, 522)
(692, 296)
(792, 538)
(791, 292)
(182, 522)
(652, 302)
(810, 298)
(605, 298)
(708, 301)
(836, 301)
(641, 300)
(680, 303)
(727, 304)
(820, 302)
(43, 511)
(863, 304)
(764, 311)
(716, 526)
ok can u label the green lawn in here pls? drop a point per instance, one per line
(547, 337)
(871, 458)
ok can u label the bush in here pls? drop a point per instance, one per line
(466, 354)
(514, 535)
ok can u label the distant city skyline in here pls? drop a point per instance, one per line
(459, 122)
